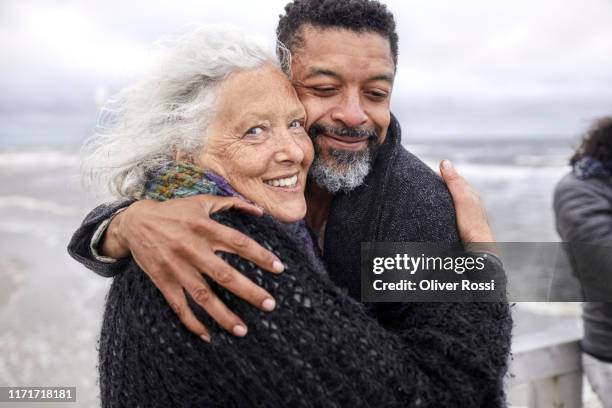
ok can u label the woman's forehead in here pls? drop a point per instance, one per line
(258, 90)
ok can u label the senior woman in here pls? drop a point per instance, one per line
(220, 117)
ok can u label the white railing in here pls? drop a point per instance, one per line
(549, 363)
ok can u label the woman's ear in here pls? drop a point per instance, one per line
(182, 155)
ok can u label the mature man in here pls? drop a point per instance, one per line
(364, 186)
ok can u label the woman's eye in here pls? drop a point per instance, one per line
(254, 131)
(296, 124)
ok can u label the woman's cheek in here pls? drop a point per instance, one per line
(254, 162)
(308, 149)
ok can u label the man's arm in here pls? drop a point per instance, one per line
(181, 240)
(175, 242)
(80, 246)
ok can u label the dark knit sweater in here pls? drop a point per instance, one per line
(459, 350)
(403, 200)
(318, 348)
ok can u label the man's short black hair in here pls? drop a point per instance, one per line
(356, 15)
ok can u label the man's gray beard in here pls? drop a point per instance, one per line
(347, 171)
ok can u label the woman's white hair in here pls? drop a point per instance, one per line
(170, 108)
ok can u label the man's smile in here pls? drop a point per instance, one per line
(343, 142)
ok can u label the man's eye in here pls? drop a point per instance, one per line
(378, 94)
(296, 124)
(324, 89)
(254, 131)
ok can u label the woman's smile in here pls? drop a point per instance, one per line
(285, 183)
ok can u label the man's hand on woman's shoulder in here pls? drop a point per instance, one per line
(175, 242)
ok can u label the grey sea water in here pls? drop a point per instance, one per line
(515, 178)
(51, 307)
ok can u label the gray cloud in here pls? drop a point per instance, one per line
(473, 66)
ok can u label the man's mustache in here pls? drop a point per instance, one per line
(317, 129)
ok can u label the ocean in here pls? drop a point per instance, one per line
(51, 307)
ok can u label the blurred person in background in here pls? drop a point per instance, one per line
(583, 210)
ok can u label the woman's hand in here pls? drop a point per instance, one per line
(175, 241)
(472, 219)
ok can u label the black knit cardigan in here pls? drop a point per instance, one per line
(318, 348)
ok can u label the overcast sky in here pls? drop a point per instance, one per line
(470, 67)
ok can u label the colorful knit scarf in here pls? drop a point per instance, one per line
(587, 167)
(183, 179)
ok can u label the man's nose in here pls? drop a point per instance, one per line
(350, 111)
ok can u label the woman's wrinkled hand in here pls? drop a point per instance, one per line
(472, 219)
(175, 242)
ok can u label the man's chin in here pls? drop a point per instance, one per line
(341, 171)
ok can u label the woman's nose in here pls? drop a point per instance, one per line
(288, 148)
